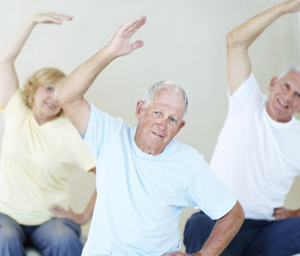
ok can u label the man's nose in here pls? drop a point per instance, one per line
(289, 97)
(162, 123)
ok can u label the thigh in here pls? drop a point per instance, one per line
(196, 231)
(58, 234)
(12, 236)
(245, 237)
(278, 238)
(199, 227)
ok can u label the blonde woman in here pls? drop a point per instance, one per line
(40, 147)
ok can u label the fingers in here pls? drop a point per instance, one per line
(278, 210)
(59, 212)
(52, 18)
(137, 44)
(63, 16)
(131, 27)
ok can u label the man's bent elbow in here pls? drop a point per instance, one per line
(232, 39)
(235, 41)
(62, 96)
(239, 213)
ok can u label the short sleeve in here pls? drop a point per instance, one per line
(208, 193)
(15, 107)
(101, 131)
(246, 96)
(81, 155)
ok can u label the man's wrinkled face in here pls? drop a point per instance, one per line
(284, 100)
(159, 121)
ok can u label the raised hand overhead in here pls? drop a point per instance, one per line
(51, 18)
(240, 38)
(70, 94)
(120, 44)
(292, 6)
(8, 77)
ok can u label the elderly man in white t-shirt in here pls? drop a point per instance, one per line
(258, 151)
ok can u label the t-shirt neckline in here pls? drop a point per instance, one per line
(144, 155)
(281, 125)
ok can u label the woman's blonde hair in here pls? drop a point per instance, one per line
(44, 76)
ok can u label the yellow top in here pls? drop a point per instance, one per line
(35, 162)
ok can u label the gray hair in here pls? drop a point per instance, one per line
(289, 68)
(165, 84)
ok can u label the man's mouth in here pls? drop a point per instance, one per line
(281, 103)
(157, 134)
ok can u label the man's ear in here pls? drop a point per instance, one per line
(181, 125)
(139, 106)
(272, 82)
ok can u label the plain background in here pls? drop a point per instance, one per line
(184, 42)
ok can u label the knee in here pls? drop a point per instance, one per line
(199, 224)
(197, 230)
(66, 243)
(9, 241)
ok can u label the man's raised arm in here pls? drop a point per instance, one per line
(71, 91)
(239, 39)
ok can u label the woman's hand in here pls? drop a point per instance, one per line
(59, 212)
(51, 18)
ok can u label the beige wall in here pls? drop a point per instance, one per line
(184, 42)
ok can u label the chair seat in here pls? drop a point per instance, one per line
(31, 251)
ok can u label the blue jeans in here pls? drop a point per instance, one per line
(255, 237)
(56, 237)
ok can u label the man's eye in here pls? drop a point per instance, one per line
(156, 112)
(286, 86)
(173, 119)
(49, 88)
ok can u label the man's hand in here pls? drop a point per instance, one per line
(283, 213)
(182, 254)
(120, 44)
(59, 212)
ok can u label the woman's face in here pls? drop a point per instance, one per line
(44, 102)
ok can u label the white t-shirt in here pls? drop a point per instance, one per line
(140, 196)
(255, 156)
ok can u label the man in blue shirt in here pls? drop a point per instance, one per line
(145, 178)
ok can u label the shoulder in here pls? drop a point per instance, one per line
(98, 116)
(16, 104)
(187, 154)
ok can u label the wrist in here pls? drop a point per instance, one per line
(297, 213)
(285, 7)
(32, 20)
(83, 219)
(110, 53)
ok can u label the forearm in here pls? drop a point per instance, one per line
(223, 232)
(88, 212)
(79, 81)
(12, 50)
(297, 213)
(245, 34)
